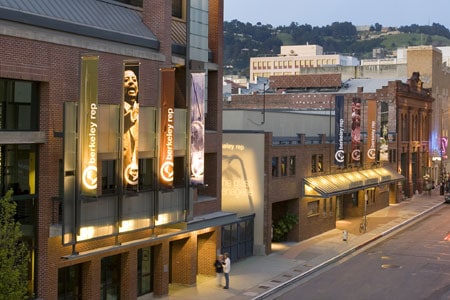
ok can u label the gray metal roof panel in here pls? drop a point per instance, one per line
(98, 18)
(369, 85)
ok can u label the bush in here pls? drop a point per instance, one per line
(282, 227)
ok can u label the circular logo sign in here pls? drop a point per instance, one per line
(339, 156)
(166, 171)
(371, 153)
(89, 177)
(356, 154)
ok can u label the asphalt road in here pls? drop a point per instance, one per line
(411, 264)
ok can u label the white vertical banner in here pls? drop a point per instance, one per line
(197, 159)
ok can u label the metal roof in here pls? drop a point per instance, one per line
(105, 19)
(343, 183)
(369, 85)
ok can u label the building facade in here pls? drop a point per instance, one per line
(384, 133)
(110, 139)
(292, 59)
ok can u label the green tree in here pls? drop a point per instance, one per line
(13, 253)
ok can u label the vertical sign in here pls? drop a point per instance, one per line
(371, 130)
(89, 124)
(339, 131)
(197, 128)
(443, 147)
(384, 145)
(356, 130)
(130, 125)
(166, 150)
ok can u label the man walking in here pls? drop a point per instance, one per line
(226, 269)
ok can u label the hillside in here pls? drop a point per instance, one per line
(245, 40)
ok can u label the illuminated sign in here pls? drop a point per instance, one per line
(372, 125)
(339, 154)
(356, 129)
(167, 127)
(130, 137)
(89, 124)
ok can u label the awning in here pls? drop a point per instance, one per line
(344, 183)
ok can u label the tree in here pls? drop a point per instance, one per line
(13, 253)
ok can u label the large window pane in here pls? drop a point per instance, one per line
(19, 105)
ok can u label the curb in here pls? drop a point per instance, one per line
(342, 255)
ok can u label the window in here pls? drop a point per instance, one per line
(145, 271)
(69, 282)
(146, 174)
(313, 208)
(317, 163)
(292, 165)
(284, 166)
(178, 172)
(110, 278)
(19, 105)
(18, 168)
(108, 176)
(177, 9)
(274, 166)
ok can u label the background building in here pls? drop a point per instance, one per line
(292, 59)
(301, 172)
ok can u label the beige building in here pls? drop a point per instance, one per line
(293, 58)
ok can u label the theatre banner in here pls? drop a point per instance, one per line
(88, 124)
(130, 138)
(371, 130)
(384, 137)
(166, 150)
(339, 154)
(197, 128)
(356, 130)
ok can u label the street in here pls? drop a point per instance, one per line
(412, 264)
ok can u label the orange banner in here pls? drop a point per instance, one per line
(167, 132)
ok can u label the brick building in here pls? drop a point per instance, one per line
(97, 225)
(302, 175)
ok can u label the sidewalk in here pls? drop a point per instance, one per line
(257, 277)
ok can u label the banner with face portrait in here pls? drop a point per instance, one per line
(130, 138)
(167, 127)
(89, 124)
(339, 154)
(371, 130)
(197, 128)
(384, 141)
(356, 130)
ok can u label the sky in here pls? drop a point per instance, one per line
(320, 13)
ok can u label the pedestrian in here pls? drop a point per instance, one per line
(219, 269)
(227, 269)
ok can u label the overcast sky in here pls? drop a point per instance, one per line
(324, 12)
